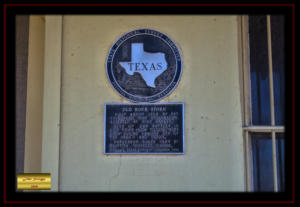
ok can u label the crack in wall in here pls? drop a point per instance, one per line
(117, 173)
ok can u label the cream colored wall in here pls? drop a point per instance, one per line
(209, 87)
(34, 106)
(52, 98)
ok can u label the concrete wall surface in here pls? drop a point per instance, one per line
(34, 106)
(209, 87)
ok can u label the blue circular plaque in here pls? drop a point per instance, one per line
(144, 65)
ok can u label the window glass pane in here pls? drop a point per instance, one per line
(277, 31)
(280, 161)
(260, 93)
(262, 162)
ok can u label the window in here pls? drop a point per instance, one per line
(264, 101)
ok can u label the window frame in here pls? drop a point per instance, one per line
(248, 128)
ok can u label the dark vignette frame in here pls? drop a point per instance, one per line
(9, 192)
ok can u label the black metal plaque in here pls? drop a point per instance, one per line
(144, 65)
(144, 128)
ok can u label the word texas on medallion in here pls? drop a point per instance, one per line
(144, 65)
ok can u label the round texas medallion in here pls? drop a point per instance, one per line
(144, 65)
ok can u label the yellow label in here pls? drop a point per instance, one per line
(34, 181)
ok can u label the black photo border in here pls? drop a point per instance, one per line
(10, 196)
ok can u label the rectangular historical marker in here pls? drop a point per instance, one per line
(144, 128)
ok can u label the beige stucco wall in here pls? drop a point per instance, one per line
(35, 85)
(209, 87)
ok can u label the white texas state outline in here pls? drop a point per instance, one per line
(149, 65)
